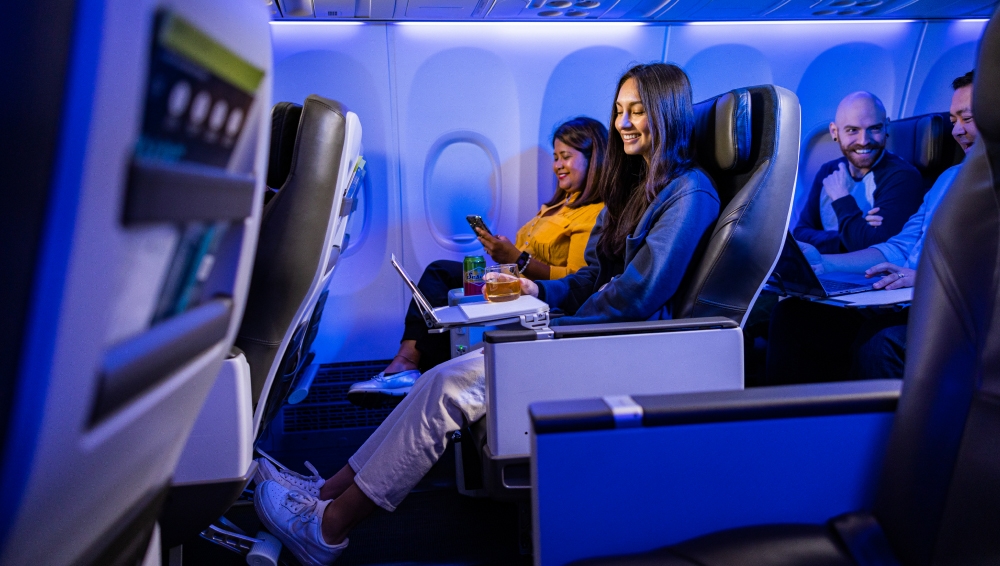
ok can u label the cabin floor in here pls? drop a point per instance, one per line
(433, 525)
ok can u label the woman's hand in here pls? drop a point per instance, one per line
(529, 287)
(500, 248)
(895, 277)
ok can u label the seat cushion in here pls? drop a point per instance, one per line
(765, 545)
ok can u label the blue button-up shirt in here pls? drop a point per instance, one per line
(904, 248)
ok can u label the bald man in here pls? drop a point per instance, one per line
(867, 177)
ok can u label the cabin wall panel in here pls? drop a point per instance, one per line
(455, 158)
(948, 51)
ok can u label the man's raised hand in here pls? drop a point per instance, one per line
(838, 184)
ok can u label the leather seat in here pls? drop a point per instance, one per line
(938, 497)
(294, 232)
(925, 141)
(737, 139)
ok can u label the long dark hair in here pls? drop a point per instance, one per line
(589, 137)
(626, 182)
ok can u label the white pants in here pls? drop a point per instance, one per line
(414, 436)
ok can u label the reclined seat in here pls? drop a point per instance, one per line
(747, 141)
(925, 142)
(913, 483)
(314, 148)
(297, 237)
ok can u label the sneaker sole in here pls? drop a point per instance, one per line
(376, 399)
(290, 544)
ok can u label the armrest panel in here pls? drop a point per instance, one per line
(613, 329)
(521, 373)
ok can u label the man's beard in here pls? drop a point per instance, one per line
(862, 160)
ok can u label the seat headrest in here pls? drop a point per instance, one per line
(284, 124)
(925, 141)
(722, 134)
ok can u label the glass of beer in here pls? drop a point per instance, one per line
(501, 283)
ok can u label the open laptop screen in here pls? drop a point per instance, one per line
(793, 272)
(418, 297)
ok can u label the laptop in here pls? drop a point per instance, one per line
(470, 313)
(794, 275)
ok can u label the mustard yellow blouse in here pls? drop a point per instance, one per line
(560, 238)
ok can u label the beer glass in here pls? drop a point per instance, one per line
(501, 283)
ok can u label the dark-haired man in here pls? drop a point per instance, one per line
(836, 342)
(866, 178)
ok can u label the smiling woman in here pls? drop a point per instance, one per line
(652, 118)
(631, 122)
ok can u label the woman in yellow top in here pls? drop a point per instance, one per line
(549, 246)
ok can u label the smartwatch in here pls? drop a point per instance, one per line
(522, 261)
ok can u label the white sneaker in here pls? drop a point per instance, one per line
(267, 469)
(382, 388)
(295, 518)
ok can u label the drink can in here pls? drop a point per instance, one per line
(473, 266)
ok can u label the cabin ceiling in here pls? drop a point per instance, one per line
(628, 10)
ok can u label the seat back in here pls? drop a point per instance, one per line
(131, 279)
(747, 140)
(925, 142)
(939, 496)
(296, 236)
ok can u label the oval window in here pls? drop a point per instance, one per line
(461, 178)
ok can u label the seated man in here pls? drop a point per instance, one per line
(820, 337)
(867, 177)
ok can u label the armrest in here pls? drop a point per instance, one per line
(658, 357)
(787, 401)
(702, 462)
(613, 329)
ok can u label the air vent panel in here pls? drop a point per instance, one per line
(440, 10)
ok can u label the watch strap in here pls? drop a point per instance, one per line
(522, 261)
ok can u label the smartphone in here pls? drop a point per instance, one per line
(476, 221)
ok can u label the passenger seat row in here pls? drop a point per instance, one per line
(907, 471)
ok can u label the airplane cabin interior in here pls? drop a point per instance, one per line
(223, 210)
